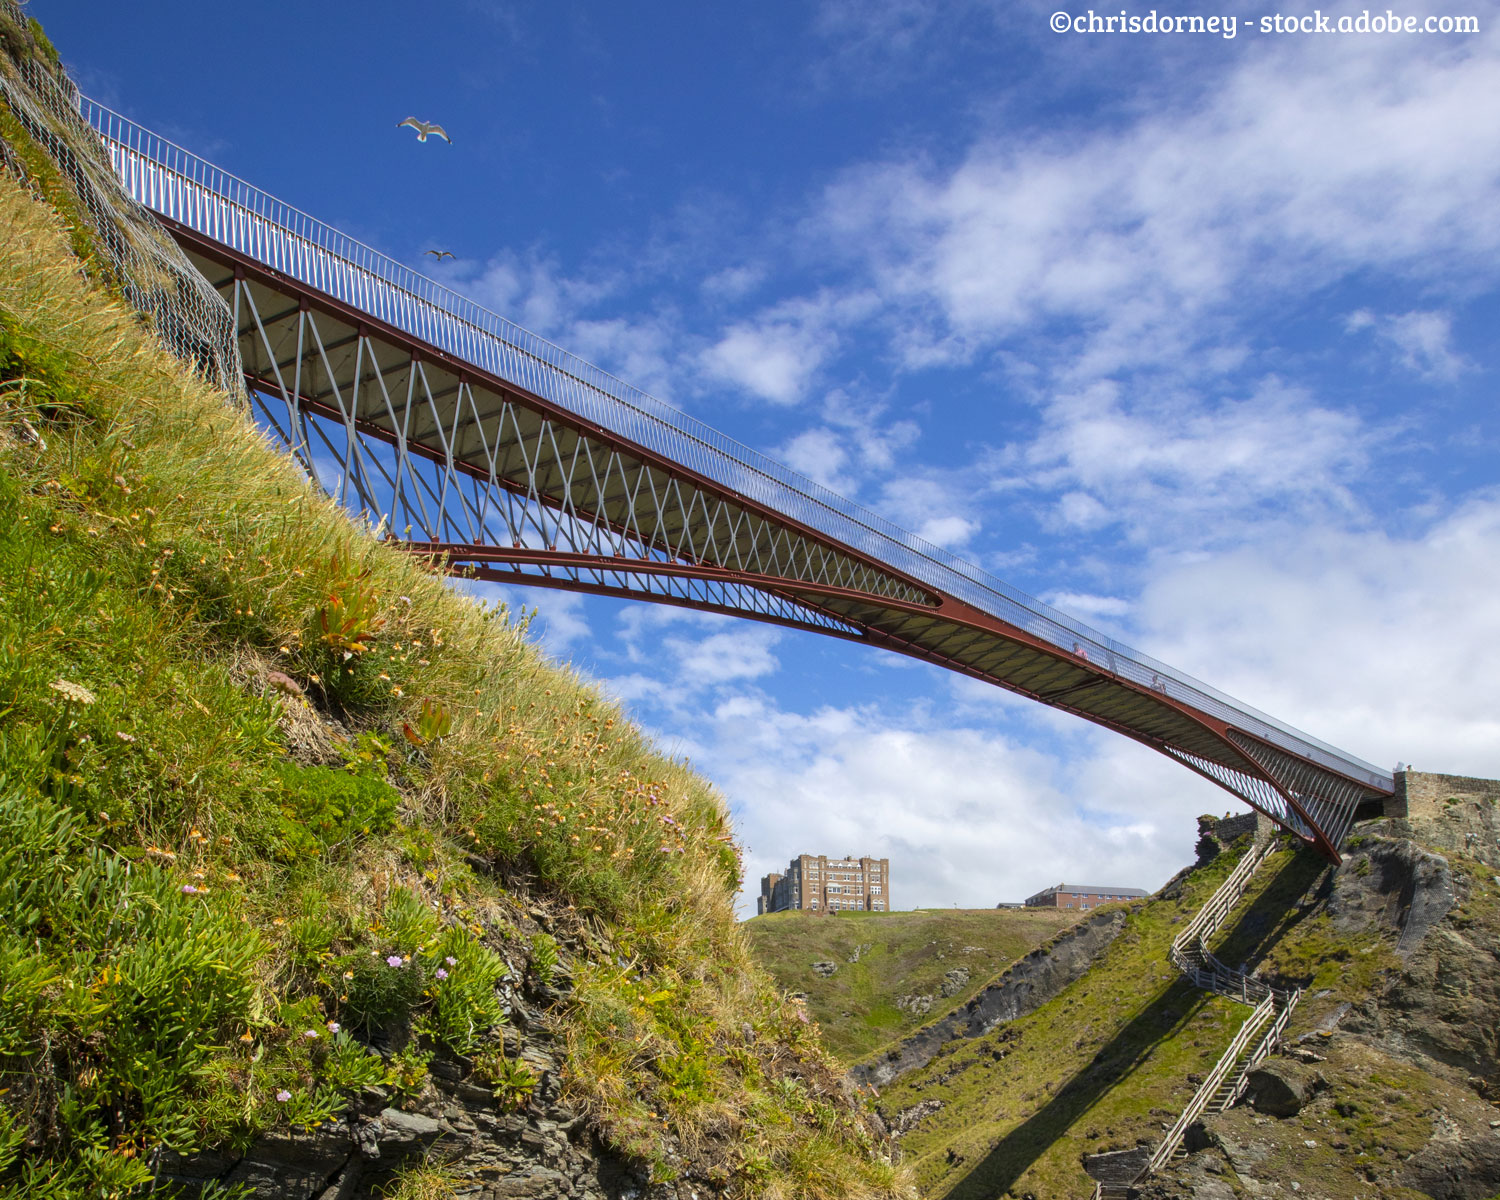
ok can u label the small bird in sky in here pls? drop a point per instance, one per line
(442, 254)
(424, 128)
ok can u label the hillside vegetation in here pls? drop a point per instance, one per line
(283, 819)
(1389, 1062)
(885, 974)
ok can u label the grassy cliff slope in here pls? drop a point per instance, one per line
(273, 800)
(1385, 1085)
(893, 972)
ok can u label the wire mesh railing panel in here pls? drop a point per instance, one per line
(202, 197)
(126, 244)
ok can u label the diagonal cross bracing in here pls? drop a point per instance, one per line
(469, 439)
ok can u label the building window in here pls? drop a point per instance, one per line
(875, 891)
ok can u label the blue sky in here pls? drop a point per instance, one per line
(1192, 337)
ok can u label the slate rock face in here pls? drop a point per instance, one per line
(1396, 884)
(1454, 1167)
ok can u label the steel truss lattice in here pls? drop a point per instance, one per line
(467, 439)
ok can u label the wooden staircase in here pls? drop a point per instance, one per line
(1271, 1008)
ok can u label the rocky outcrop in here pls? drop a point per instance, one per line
(1452, 1166)
(542, 1149)
(1280, 1088)
(908, 1117)
(1392, 883)
(955, 981)
(1025, 986)
(501, 1147)
(917, 1004)
(1444, 1006)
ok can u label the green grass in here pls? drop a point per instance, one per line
(900, 954)
(1111, 1060)
(204, 876)
(1082, 1073)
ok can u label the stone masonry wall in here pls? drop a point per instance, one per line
(1423, 795)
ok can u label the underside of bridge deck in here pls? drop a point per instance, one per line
(499, 456)
(493, 481)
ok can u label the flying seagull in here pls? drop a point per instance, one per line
(423, 128)
(442, 254)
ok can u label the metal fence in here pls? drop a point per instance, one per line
(197, 194)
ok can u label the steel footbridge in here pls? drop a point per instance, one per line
(505, 458)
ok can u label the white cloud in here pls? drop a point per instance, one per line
(733, 283)
(1422, 341)
(559, 623)
(772, 360)
(1309, 161)
(931, 508)
(1188, 470)
(1377, 643)
(948, 532)
(820, 455)
(642, 352)
(966, 816)
(1087, 605)
(741, 653)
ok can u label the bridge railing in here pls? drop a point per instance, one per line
(192, 191)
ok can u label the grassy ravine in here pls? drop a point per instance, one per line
(211, 893)
(1105, 1059)
(1111, 1061)
(900, 954)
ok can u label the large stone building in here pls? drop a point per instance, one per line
(1081, 896)
(820, 884)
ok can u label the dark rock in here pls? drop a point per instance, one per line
(367, 1138)
(825, 969)
(1280, 1088)
(407, 1133)
(1117, 1166)
(1392, 883)
(1453, 1167)
(293, 1165)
